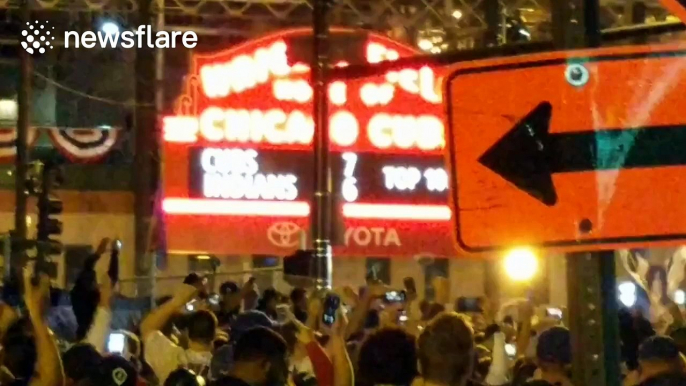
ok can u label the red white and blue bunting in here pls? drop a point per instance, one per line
(78, 145)
(81, 145)
(8, 138)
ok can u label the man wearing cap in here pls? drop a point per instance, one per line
(260, 358)
(114, 371)
(243, 322)
(230, 304)
(553, 357)
(659, 363)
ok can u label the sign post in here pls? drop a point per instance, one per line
(321, 211)
(594, 322)
(18, 260)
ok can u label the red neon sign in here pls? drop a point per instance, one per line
(251, 99)
(284, 116)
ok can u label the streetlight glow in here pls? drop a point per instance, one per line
(457, 14)
(521, 264)
(627, 293)
(8, 109)
(110, 28)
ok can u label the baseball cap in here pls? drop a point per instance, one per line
(658, 348)
(115, 371)
(80, 360)
(554, 345)
(248, 320)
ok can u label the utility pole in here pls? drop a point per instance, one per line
(22, 158)
(145, 179)
(493, 15)
(321, 209)
(591, 275)
(159, 153)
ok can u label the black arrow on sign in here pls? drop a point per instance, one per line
(528, 155)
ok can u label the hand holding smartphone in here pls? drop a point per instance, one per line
(555, 313)
(392, 297)
(115, 343)
(331, 304)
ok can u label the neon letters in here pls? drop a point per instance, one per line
(409, 177)
(245, 71)
(287, 124)
(240, 125)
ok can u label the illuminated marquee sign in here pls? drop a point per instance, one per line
(289, 86)
(240, 142)
(244, 111)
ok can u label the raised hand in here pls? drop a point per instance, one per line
(36, 297)
(102, 247)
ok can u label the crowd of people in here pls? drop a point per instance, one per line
(374, 336)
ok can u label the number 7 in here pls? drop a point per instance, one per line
(350, 163)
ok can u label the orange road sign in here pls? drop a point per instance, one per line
(677, 7)
(578, 150)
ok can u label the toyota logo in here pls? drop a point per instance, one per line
(284, 234)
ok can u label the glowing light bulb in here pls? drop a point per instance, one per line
(425, 44)
(110, 28)
(627, 293)
(521, 264)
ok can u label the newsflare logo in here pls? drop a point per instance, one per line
(37, 37)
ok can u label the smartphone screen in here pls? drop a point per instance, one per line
(115, 343)
(510, 350)
(331, 304)
(395, 297)
(214, 299)
(554, 312)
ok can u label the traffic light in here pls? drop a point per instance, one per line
(48, 207)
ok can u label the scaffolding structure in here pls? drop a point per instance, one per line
(455, 24)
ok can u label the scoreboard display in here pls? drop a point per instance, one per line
(239, 149)
(252, 174)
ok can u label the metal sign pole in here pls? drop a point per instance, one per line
(590, 275)
(22, 157)
(321, 208)
(144, 143)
